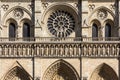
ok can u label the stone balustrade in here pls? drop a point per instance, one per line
(59, 49)
(56, 39)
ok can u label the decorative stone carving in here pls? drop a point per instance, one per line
(102, 14)
(17, 73)
(29, 6)
(76, 4)
(112, 7)
(61, 23)
(57, 72)
(85, 22)
(37, 24)
(18, 13)
(37, 78)
(5, 7)
(91, 7)
(60, 50)
(101, 72)
(58, 77)
(45, 5)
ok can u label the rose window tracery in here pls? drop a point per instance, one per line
(61, 23)
(102, 14)
(18, 13)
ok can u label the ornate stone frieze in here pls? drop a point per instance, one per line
(18, 13)
(102, 14)
(60, 50)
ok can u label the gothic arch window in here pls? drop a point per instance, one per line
(17, 73)
(26, 30)
(104, 72)
(94, 30)
(12, 31)
(60, 70)
(107, 30)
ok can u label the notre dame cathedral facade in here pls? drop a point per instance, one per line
(59, 40)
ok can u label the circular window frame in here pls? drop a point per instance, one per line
(61, 23)
(60, 6)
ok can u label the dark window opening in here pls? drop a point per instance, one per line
(12, 31)
(94, 31)
(107, 31)
(26, 31)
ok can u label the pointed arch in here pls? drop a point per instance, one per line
(104, 72)
(64, 8)
(11, 9)
(102, 7)
(93, 13)
(60, 5)
(95, 26)
(17, 72)
(94, 30)
(107, 30)
(110, 29)
(62, 70)
(12, 28)
(27, 28)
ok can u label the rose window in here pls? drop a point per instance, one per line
(61, 23)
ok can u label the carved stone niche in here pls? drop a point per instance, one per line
(18, 13)
(102, 14)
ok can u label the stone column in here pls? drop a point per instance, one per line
(118, 17)
(117, 25)
(79, 29)
(33, 17)
(118, 68)
(118, 28)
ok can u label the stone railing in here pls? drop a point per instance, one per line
(55, 50)
(55, 39)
